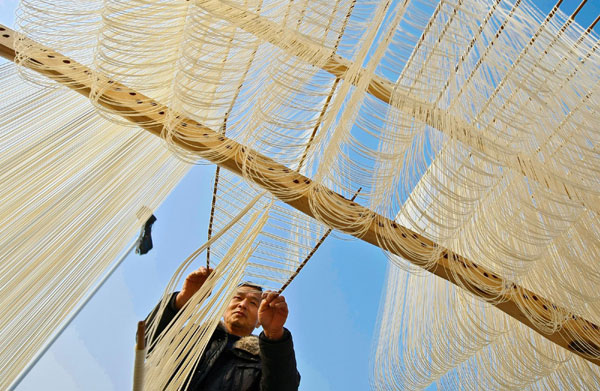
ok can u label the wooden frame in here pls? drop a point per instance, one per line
(577, 335)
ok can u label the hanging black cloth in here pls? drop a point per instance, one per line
(144, 242)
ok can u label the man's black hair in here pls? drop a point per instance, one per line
(251, 285)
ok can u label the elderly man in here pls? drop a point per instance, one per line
(235, 359)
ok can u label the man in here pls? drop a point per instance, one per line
(234, 359)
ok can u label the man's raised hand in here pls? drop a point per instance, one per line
(272, 314)
(193, 282)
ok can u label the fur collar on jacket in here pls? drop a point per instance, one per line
(248, 343)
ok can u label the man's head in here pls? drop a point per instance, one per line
(241, 315)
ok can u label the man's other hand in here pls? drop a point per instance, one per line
(193, 282)
(272, 314)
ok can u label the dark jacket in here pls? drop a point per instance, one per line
(249, 363)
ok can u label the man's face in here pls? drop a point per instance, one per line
(241, 314)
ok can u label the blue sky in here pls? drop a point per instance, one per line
(333, 303)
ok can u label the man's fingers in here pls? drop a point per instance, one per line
(277, 300)
(270, 296)
(205, 271)
(198, 273)
(202, 272)
(282, 306)
(263, 306)
(273, 300)
(196, 278)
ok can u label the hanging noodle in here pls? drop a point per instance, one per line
(473, 123)
(75, 192)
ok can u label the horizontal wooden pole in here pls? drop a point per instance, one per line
(386, 91)
(576, 335)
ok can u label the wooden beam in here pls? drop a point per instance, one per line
(577, 335)
(384, 90)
